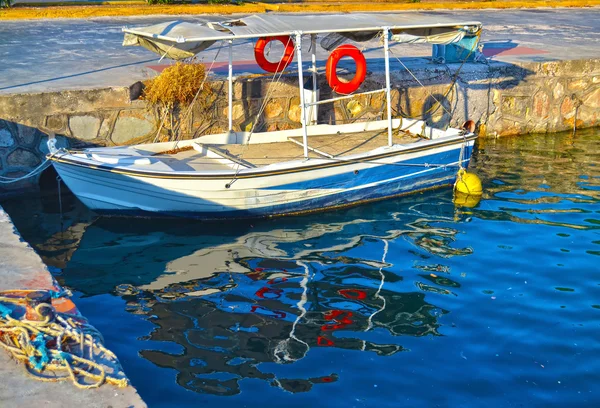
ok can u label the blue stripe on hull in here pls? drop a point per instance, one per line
(435, 178)
(391, 180)
(374, 174)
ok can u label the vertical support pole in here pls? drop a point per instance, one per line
(313, 56)
(230, 88)
(388, 92)
(302, 101)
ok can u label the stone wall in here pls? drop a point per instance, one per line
(504, 99)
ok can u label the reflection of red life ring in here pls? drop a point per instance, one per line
(353, 294)
(340, 316)
(272, 293)
(288, 55)
(338, 85)
(324, 341)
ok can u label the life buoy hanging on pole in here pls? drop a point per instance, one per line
(336, 83)
(288, 55)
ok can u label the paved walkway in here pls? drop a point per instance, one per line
(48, 55)
(22, 268)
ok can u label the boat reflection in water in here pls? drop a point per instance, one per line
(238, 297)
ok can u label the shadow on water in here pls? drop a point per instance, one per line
(356, 307)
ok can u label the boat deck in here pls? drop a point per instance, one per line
(263, 154)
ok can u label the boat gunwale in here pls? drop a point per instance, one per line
(257, 172)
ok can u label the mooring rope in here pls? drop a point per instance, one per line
(56, 346)
(32, 173)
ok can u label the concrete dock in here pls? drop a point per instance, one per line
(22, 268)
(54, 55)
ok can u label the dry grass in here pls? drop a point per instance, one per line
(172, 93)
(135, 9)
(176, 85)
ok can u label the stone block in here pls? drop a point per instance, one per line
(377, 101)
(274, 108)
(84, 127)
(592, 99)
(6, 138)
(237, 111)
(106, 126)
(515, 105)
(578, 85)
(56, 123)
(567, 107)
(22, 158)
(294, 110)
(280, 126)
(558, 91)
(541, 104)
(27, 135)
(131, 126)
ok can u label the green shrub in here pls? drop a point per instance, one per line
(162, 1)
(5, 3)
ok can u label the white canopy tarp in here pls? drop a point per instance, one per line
(179, 40)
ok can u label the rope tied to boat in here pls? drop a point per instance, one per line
(55, 346)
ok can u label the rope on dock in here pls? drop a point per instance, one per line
(55, 346)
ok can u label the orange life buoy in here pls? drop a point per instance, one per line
(288, 55)
(340, 52)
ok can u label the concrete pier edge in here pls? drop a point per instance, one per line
(22, 268)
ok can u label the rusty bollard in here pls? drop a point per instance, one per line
(33, 300)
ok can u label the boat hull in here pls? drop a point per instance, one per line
(270, 194)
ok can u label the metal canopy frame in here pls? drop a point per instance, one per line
(224, 32)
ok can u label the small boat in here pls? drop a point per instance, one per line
(262, 174)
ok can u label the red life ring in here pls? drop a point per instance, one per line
(288, 55)
(340, 52)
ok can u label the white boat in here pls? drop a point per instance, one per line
(249, 174)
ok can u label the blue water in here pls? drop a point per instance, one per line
(403, 303)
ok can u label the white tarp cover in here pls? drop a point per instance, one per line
(179, 40)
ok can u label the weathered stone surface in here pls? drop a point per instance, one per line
(131, 126)
(377, 101)
(22, 158)
(558, 92)
(567, 108)
(577, 85)
(6, 138)
(65, 102)
(515, 105)
(273, 109)
(27, 135)
(340, 116)
(294, 111)
(280, 126)
(56, 123)
(541, 104)
(106, 126)
(237, 111)
(61, 142)
(592, 100)
(84, 127)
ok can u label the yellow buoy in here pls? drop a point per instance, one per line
(468, 183)
(466, 200)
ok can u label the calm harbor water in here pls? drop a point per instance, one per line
(402, 303)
